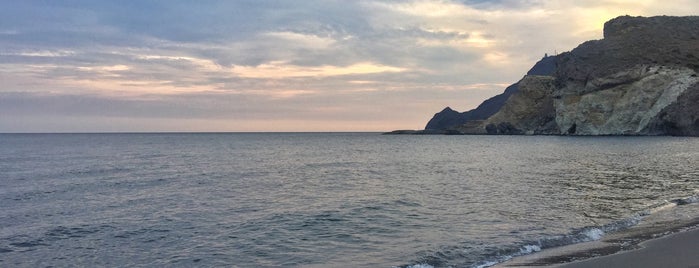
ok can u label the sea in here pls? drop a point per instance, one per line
(325, 199)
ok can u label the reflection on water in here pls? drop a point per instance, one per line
(333, 199)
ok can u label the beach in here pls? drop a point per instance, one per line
(675, 250)
(667, 238)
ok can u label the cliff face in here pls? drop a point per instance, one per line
(449, 119)
(529, 111)
(680, 118)
(641, 79)
(623, 103)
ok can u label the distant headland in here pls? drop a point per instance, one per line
(640, 79)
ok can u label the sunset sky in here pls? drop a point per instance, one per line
(252, 65)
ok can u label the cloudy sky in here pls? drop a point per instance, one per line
(254, 65)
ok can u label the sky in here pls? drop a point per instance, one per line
(258, 65)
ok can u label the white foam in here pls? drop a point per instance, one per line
(487, 264)
(524, 250)
(528, 249)
(586, 234)
(420, 265)
(594, 233)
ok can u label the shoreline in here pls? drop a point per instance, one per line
(665, 236)
(673, 250)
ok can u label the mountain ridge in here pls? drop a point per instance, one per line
(640, 79)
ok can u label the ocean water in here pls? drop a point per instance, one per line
(324, 199)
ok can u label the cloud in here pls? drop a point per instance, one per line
(280, 70)
(39, 53)
(252, 61)
(303, 40)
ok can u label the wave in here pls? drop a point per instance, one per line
(581, 235)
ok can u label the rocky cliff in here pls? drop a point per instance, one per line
(448, 118)
(640, 79)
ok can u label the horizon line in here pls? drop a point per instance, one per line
(189, 132)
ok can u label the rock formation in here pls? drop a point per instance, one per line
(641, 79)
(448, 118)
(529, 111)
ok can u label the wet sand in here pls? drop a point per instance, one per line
(676, 250)
(669, 238)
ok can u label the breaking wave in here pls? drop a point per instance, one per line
(581, 235)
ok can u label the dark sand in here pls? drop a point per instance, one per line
(668, 238)
(676, 250)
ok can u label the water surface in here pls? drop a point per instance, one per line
(323, 199)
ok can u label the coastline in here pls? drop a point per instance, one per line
(667, 238)
(674, 250)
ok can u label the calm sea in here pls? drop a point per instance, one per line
(323, 199)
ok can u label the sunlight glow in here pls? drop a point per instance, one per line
(433, 9)
(281, 69)
(306, 40)
(112, 68)
(205, 64)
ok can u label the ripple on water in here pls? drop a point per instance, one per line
(322, 199)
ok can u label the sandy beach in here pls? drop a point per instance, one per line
(675, 250)
(668, 238)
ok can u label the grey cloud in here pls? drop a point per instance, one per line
(502, 4)
(226, 32)
(236, 33)
(27, 104)
(207, 106)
